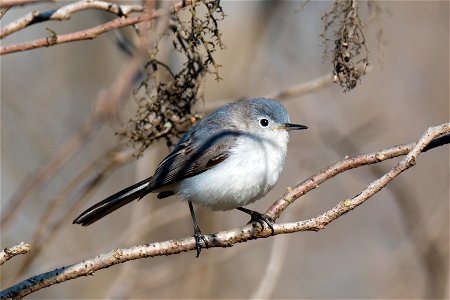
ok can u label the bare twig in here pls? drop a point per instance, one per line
(251, 231)
(9, 253)
(65, 12)
(90, 33)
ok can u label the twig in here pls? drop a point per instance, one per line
(90, 33)
(9, 253)
(75, 36)
(248, 232)
(65, 12)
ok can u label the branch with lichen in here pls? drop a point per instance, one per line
(432, 138)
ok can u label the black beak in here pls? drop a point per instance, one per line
(289, 126)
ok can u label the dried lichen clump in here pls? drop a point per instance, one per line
(165, 97)
(350, 53)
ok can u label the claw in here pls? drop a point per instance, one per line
(199, 237)
(261, 219)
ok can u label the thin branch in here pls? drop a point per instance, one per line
(9, 253)
(248, 232)
(349, 204)
(350, 163)
(65, 12)
(75, 36)
(411, 214)
(90, 33)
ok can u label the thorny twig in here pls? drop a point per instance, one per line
(251, 231)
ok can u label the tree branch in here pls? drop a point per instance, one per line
(87, 34)
(350, 163)
(65, 12)
(9, 253)
(251, 231)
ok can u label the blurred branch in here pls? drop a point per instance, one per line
(306, 87)
(274, 267)
(3, 11)
(292, 91)
(411, 215)
(65, 12)
(36, 179)
(11, 3)
(250, 231)
(9, 253)
(366, 159)
(90, 33)
(85, 184)
(412, 150)
(106, 107)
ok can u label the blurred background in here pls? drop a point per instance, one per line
(396, 245)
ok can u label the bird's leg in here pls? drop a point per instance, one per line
(258, 217)
(199, 237)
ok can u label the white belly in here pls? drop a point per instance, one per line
(251, 170)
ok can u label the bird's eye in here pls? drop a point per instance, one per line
(264, 122)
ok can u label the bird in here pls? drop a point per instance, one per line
(227, 160)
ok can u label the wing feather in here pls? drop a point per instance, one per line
(196, 153)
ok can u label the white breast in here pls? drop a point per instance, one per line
(250, 171)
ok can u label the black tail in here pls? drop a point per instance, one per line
(110, 204)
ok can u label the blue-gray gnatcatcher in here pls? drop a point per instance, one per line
(229, 159)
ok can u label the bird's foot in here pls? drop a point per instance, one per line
(199, 238)
(261, 219)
